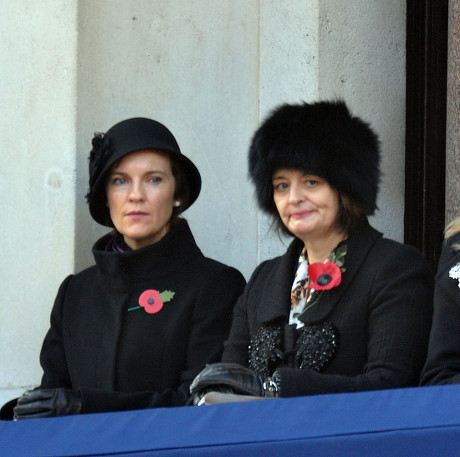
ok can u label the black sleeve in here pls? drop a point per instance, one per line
(443, 361)
(236, 347)
(52, 355)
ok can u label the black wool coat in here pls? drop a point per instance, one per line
(104, 344)
(381, 314)
(443, 361)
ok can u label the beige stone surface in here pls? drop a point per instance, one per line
(453, 114)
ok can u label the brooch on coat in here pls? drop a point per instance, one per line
(322, 277)
(152, 301)
(316, 347)
(454, 273)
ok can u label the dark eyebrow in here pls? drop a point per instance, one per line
(150, 172)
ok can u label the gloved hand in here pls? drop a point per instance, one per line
(47, 403)
(238, 379)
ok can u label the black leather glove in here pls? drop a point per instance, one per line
(6, 412)
(47, 403)
(236, 378)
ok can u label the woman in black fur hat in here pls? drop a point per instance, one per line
(344, 309)
(135, 329)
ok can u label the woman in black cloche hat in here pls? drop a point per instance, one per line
(344, 309)
(135, 329)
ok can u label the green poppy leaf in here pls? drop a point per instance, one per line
(341, 251)
(167, 295)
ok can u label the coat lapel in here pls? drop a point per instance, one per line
(276, 294)
(360, 241)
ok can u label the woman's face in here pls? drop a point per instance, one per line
(307, 204)
(140, 195)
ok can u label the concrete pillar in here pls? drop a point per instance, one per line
(453, 111)
(38, 48)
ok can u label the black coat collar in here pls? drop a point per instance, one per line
(164, 257)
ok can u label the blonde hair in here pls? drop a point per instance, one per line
(452, 229)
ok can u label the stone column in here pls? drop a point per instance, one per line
(453, 114)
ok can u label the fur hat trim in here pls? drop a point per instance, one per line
(323, 139)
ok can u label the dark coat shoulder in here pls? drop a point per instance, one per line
(443, 361)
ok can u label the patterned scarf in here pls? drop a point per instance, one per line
(299, 295)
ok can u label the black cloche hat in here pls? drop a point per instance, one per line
(124, 138)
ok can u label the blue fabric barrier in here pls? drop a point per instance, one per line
(402, 422)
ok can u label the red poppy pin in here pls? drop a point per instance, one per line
(324, 276)
(152, 301)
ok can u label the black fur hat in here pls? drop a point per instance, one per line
(323, 139)
(129, 136)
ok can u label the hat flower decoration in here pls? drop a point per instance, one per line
(97, 158)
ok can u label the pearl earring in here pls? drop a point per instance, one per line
(177, 203)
